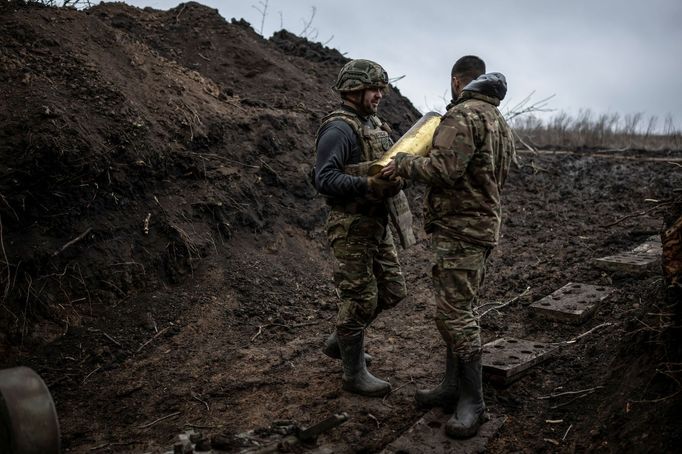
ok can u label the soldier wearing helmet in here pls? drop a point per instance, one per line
(368, 276)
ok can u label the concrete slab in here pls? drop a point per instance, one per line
(572, 303)
(427, 435)
(643, 258)
(507, 359)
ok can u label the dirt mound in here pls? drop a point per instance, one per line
(147, 135)
(163, 252)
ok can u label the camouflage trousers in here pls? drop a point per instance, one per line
(368, 277)
(458, 273)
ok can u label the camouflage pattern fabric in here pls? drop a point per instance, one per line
(374, 134)
(368, 277)
(360, 74)
(465, 171)
(458, 272)
(472, 150)
(376, 141)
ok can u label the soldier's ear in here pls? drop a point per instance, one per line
(353, 96)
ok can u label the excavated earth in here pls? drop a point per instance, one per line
(164, 265)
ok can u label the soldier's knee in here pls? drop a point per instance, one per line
(357, 310)
(392, 294)
(391, 301)
(349, 327)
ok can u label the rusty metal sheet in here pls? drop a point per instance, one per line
(572, 303)
(643, 258)
(427, 436)
(507, 359)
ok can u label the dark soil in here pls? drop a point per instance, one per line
(163, 252)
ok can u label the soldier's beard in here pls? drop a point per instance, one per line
(370, 104)
(455, 95)
(370, 108)
(362, 105)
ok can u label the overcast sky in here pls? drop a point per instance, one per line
(609, 56)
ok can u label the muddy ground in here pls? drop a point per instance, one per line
(164, 266)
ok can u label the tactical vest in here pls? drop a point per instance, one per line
(375, 141)
(373, 138)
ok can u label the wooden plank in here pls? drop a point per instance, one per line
(427, 436)
(572, 303)
(507, 359)
(643, 258)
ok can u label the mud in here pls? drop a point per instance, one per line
(165, 268)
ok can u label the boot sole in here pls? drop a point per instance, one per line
(470, 432)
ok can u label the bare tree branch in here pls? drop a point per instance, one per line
(523, 108)
(263, 10)
(307, 30)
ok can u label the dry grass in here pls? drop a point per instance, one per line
(605, 131)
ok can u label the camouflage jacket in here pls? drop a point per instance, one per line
(467, 166)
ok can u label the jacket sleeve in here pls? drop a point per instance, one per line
(453, 147)
(334, 151)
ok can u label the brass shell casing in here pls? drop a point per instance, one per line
(416, 141)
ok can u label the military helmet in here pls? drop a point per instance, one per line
(360, 74)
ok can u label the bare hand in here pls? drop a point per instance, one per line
(390, 170)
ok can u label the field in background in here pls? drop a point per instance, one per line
(587, 130)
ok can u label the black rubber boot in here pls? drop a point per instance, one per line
(356, 378)
(470, 412)
(445, 394)
(331, 349)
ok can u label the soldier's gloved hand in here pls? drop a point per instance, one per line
(382, 188)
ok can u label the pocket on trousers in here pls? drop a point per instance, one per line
(467, 257)
(338, 225)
